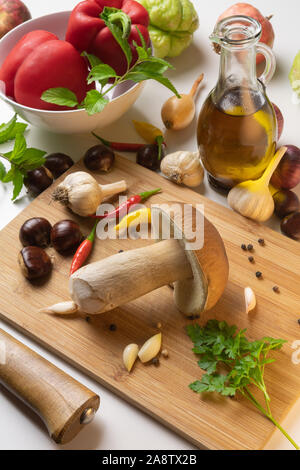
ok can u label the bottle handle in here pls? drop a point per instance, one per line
(270, 68)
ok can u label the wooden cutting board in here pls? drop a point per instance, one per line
(212, 422)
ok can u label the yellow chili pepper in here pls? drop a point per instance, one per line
(133, 219)
(148, 132)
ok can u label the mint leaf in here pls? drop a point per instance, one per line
(9, 175)
(142, 39)
(32, 158)
(94, 102)
(19, 149)
(145, 73)
(6, 129)
(109, 16)
(60, 96)
(2, 171)
(18, 181)
(101, 72)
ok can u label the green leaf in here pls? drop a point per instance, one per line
(19, 149)
(9, 175)
(18, 181)
(2, 171)
(142, 39)
(109, 15)
(32, 158)
(93, 60)
(60, 96)
(6, 130)
(101, 72)
(141, 75)
(94, 102)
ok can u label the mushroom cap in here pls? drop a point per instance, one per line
(205, 251)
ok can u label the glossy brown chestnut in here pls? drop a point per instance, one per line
(286, 202)
(287, 174)
(66, 236)
(290, 225)
(148, 156)
(34, 262)
(35, 232)
(99, 158)
(58, 163)
(36, 181)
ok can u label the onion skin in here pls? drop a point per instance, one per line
(177, 114)
(280, 120)
(287, 174)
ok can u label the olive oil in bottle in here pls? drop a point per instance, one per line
(237, 127)
(236, 139)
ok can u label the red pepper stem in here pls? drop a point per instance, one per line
(91, 236)
(148, 194)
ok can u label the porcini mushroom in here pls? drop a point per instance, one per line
(199, 275)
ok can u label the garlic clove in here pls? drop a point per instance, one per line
(250, 299)
(62, 308)
(151, 348)
(130, 354)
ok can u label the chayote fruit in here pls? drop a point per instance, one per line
(172, 24)
(294, 75)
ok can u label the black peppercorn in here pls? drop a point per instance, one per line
(261, 241)
(276, 289)
(251, 259)
(250, 247)
(258, 274)
(243, 246)
(298, 321)
(155, 361)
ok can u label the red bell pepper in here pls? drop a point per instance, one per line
(41, 61)
(87, 31)
(18, 54)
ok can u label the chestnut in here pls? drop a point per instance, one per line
(287, 174)
(58, 163)
(36, 181)
(99, 158)
(34, 262)
(290, 225)
(65, 236)
(148, 156)
(286, 202)
(35, 232)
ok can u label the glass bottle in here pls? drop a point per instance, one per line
(237, 127)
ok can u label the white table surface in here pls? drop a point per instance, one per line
(118, 425)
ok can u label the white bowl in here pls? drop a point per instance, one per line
(73, 121)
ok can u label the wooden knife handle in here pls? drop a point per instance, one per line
(64, 404)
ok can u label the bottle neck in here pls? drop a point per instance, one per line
(237, 69)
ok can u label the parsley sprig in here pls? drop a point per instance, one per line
(22, 159)
(220, 345)
(145, 68)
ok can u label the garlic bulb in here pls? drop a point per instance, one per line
(183, 167)
(82, 194)
(253, 199)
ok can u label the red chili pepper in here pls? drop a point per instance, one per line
(119, 146)
(83, 251)
(124, 208)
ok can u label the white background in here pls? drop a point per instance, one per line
(117, 424)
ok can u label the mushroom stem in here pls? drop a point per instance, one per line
(127, 276)
(113, 188)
